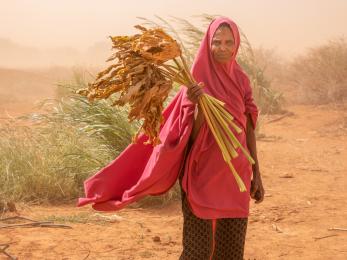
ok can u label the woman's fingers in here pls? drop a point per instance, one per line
(201, 84)
(196, 86)
(257, 191)
(253, 189)
(260, 195)
(195, 91)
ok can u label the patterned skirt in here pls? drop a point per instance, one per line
(204, 239)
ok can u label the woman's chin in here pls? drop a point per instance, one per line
(222, 61)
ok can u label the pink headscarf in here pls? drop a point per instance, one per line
(142, 170)
(226, 82)
(211, 189)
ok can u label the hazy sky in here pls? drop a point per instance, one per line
(287, 25)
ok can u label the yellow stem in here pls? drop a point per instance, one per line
(230, 148)
(205, 110)
(223, 123)
(238, 179)
(187, 69)
(220, 105)
(226, 156)
(229, 118)
(175, 76)
(216, 100)
(233, 139)
(186, 73)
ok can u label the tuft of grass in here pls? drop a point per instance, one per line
(83, 218)
(47, 164)
(46, 156)
(98, 119)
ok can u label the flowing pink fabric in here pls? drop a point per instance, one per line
(211, 189)
(140, 169)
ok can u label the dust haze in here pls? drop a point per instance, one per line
(43, 42)
(300, 53)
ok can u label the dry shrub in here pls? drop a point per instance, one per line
(320, 75)
(257, 63)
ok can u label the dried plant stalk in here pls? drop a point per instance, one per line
(143, 78)
(138, 77)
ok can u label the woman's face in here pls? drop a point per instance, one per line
(223, 45)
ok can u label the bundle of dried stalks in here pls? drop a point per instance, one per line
(143, 76)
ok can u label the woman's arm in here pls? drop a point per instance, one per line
(257, 191)
(252, 145)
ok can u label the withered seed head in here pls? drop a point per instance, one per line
(136, 75)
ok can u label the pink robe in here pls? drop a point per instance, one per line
(211, 189)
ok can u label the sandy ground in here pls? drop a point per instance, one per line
(303, 163)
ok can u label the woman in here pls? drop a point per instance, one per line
(215, 211)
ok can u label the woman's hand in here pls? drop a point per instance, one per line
(194, 92)
(257, 189)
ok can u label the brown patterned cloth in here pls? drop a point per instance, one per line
(199, 242)
(230, 238)
(197, 235)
